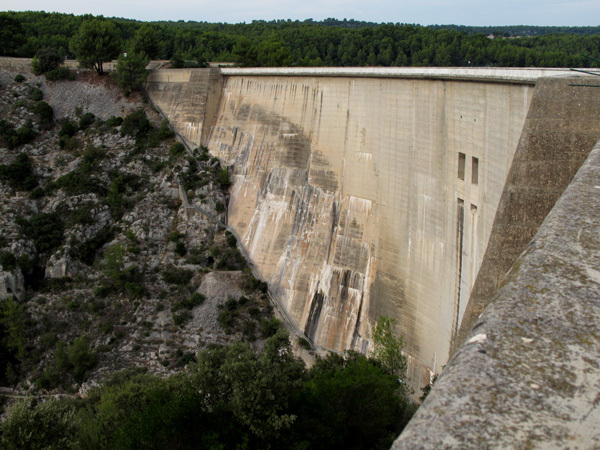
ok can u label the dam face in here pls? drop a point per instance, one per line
(360, 196)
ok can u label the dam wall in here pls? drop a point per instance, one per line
(188, 98)
(363, 197)
(528, 376)
(364, 192)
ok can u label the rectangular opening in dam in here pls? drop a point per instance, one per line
(462, 158)
(460, 226)
(474, 170)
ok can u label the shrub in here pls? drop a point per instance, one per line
(174, 275)
(19, 78)
(224, 179)
(75, 183)
(134, 290)
(45, 60)
(82, 358)
(36, 95)
(136, 124)
(182, 318)
(44, 229)
(60, 73)
(114, 121)
(204, 155)
(19, 175)
(175, 236)
(177, 149)
(37, 193)
(304, 344)
(45, 114)
(180, 248)
(8, 134)
(8, 260)
(86, 120)
(196, 299)
(165, 132)
(268, 327)
(252, 283)
(68, 129)
(50, 425)
(26, 134)
(13, 138)
(90, 157)
(226, 319)
(231, 240)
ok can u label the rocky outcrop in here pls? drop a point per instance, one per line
(12, 283)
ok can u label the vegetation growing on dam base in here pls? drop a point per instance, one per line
(231, 397)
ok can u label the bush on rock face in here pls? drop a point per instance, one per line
(45, 230)
(136, 124)
(19, 175)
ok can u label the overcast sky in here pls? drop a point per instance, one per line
(424, 12)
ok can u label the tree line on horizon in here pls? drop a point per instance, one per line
(329, 42)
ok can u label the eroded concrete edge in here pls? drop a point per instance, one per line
(529, 373)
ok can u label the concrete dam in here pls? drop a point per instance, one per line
(407, 193)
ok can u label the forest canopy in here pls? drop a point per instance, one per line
(329, 42)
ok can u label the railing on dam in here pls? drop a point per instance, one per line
(486, 74)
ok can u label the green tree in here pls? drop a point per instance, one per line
(96, 42)
(147, 39)
(131, 71)
(351, 402)
(388, 348)
(50, 425)
(114, 265)
(245, 53)
(45, 60)
(19, 175)
(82, 358)
(13, 323)
(11, 34)
(45, 113)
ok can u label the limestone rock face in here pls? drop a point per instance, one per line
(12, 283)
(61, 267)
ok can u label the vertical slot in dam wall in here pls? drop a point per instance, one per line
(359, 196)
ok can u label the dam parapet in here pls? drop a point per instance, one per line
(363, 192)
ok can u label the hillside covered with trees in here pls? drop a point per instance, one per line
(311, 43)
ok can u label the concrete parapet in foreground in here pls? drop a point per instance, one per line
(529, 373)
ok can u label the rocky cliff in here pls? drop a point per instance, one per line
(100, 259)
